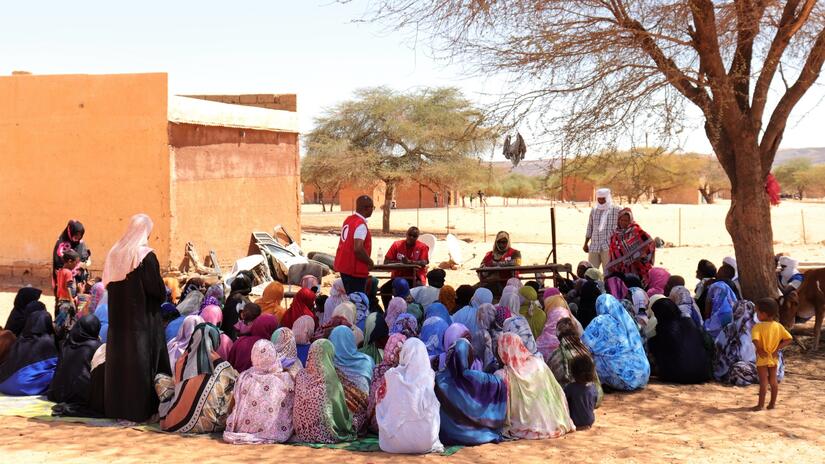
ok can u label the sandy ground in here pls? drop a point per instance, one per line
(703, 423)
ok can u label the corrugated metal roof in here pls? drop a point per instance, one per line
(208, 113)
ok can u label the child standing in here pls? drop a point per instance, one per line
(66, 292)
(769, 337)
(581, 393)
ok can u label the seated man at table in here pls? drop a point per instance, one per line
(502, 255)
(407, 251)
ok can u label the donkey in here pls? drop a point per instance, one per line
(809, 300)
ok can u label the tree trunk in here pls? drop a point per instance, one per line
(324, 206)
(388, 194)
(800, 192)
(749, 222)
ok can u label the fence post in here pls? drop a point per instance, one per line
(680, 226)
(804, 235)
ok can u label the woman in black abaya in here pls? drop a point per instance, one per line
(70, 385)
(135, 348)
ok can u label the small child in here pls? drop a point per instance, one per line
(581, 393)
(66, 291)
(769, 337)
(247, 315)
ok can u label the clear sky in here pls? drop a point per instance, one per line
(315, 48)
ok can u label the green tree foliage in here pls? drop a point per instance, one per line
(329, 165)
(797, 176)
(400, 135)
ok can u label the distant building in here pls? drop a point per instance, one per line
(101, 148)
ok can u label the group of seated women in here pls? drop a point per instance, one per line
(457, 369)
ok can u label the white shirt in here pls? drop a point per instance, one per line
(361, 230)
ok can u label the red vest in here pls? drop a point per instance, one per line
(345, 260)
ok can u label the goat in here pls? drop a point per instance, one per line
(807, 301)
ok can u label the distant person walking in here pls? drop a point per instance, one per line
(601, 225)
(352, 259)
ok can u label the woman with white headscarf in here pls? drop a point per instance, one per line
(136, 345)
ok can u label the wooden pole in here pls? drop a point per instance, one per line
(484, 209)
(417, 210)
(804, 235)
(680, 226)
(553, 233)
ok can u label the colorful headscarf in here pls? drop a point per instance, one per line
(262, 329)
(447, 297)
(432, 334)
(657, 279)
(617, 348)
(301, 305)
(337, 295)
(438, 310)
(405, 324)
(532, 310)
(537, 404)
(214, 315)
(722, 302)
(177, 346)
(96, 292)
(395, 308)
(309, 281)
(519, 326)
(320, 413)
(272, 299)
(370, 348)
(681, 296)
(616, 287)
(303, 329)
(377, 388)
(473, 404)
(264, 395)
(356, 366)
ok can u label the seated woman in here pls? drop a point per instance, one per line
(177, 346)
(272, 299)
(197, 399)
(213, 314)
(391, 353)
(587, 302)
(369, 347)
(31, 362)
(718, 308)
(519, 326)
(264, 396)
(18, 314)
(687, 306)
(632, 250)
(72, 379)
(320, 414)
(735, 362)
(532, 310)
(284, 341)
(473, 404)
(614, 340)
(432, 334)
(355, 371)
(454, 332)
(407, 411)
(557, 309)
(570, 348)
(303, 328)
(240, 356)
(502, 255)
(678, 348)
(657, 281)
(303, 304)
(537, 404)
(468, 314)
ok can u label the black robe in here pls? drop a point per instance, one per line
(72, 378)
(678, 349)
(17, 316)
(136, 346)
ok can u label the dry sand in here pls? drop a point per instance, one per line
(702, 423)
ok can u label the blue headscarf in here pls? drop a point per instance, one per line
(400, 287)
(432, 334)
(468, 314)
(722, 301)
(438, 310)
(473, 403)
(102, 314)
(356, 366)
(617, 347)
(405, 324)
(362, 308)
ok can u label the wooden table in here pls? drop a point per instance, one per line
(407, 271)
(536, 272)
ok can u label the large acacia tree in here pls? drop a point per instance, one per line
(394, 136)
(601, 70)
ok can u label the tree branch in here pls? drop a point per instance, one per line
(776, 126)
(748, 16)
(789, 24)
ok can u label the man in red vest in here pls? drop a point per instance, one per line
(407, 251)
(352, 259)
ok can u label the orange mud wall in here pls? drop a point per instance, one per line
(86, 147)
(686, 195)
(407, 196)
(350, 193)
(228, 182)
(577, 189)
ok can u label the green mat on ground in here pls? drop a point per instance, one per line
(364, 445)
(38, 408)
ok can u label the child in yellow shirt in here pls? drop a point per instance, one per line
(769, 337)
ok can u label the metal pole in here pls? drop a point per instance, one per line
(804, 235)
(553, 233)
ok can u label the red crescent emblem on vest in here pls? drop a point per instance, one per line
(344, 232)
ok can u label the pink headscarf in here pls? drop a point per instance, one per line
(213, 315)
(657, 279)
(127, 254)
(396, 307)
(550, 291)
(309, 281)
(303, 328)
(548, 341)
(617, 288)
